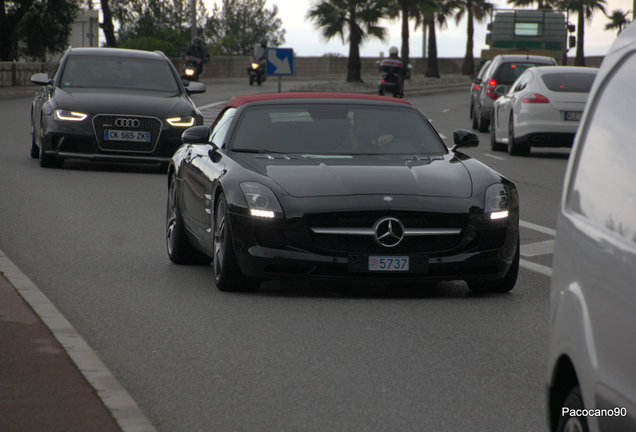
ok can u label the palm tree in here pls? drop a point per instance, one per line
(618, 20)
(584, 9)
(434, 12)
(358, 18)
(408, 10)
(473, 10)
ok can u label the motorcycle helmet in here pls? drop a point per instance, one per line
(393, 51)
(196, 41)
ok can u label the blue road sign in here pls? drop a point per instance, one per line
(280, 61)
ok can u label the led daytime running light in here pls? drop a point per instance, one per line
(499, 215)
(262, 213)
(70, 115)
(181, 121)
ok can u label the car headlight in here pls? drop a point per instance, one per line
(254, 65)
(67, 115)
(189, 71)
(261, 200)
(181, 121)
(497, 203)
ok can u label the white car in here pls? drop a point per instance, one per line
(542, 109)
(591, 375)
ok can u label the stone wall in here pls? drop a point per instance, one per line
(12, 73)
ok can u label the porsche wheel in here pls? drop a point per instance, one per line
(227, 274)
(180, 251)
(568, 423)
(494, 144)
(516, 147)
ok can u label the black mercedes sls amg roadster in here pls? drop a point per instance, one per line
(337, 185)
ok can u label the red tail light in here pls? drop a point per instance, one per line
(534, 98)
(490, 90)
(476, 86)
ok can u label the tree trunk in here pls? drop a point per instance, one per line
(353, 64)
(9, 25)
(405, 33)
(107, 25)
(432, 70)
(468, 67)
(580, 33)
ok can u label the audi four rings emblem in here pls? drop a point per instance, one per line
(389, 232)
(127, 122)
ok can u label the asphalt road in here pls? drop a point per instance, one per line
(295, 356)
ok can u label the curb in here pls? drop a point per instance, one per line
(115, 398)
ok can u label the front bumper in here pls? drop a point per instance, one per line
(67, 140)
(269, 249)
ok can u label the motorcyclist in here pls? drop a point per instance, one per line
(260, 51)
(197, 53)
(392, 74)
(393, 55)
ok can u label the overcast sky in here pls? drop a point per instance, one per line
(306, 40)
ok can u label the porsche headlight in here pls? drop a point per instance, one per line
(261, 200)
(186, 121)
(497, 205)
(66, 115)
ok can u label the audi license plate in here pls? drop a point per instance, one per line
(572, 115)
(388, 263)
(121, 135)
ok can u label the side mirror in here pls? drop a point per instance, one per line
(41, 78)
(196, 135)
(464, 138)
(193, 87)
(500, 90)
(572, 41)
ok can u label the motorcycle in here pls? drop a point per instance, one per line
(391, 78)
(256, 72)
(191, 68)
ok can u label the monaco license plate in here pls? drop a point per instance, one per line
(121, 135)
(388, 263)
(572, 115)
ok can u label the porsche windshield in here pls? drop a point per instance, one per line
(324, 128)
(118, 73)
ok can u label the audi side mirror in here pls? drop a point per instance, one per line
(41, 78)
(196, 135)
(464, 138)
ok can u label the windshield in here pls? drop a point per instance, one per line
(118, 73)
(335, 129)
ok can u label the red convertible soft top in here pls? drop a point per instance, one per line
(241, 100)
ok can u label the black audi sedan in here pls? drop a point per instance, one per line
(338, 186)
(112, 105)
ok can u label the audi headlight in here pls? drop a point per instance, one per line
(261, 200)
(66, 115)
(497, 205)
(186, 121)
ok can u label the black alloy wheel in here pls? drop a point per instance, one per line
(502, 285)
(568, 423)
(35, 150)
(515, 147)
(227, 274)
(180, 251)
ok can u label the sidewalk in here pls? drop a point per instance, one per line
(41, 389)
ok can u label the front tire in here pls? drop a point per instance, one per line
(483, 124)
(502, 285)
(227, 274)
(35, 150)
(516, 148)
(567, 423)
(180, 251)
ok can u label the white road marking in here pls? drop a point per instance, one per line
(446, 110)
(538, 248)
(494, 157)
(214, 104)
(537, 268)
(121, 405)
(539, 228)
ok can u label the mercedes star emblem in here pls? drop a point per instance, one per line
(389, 232)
